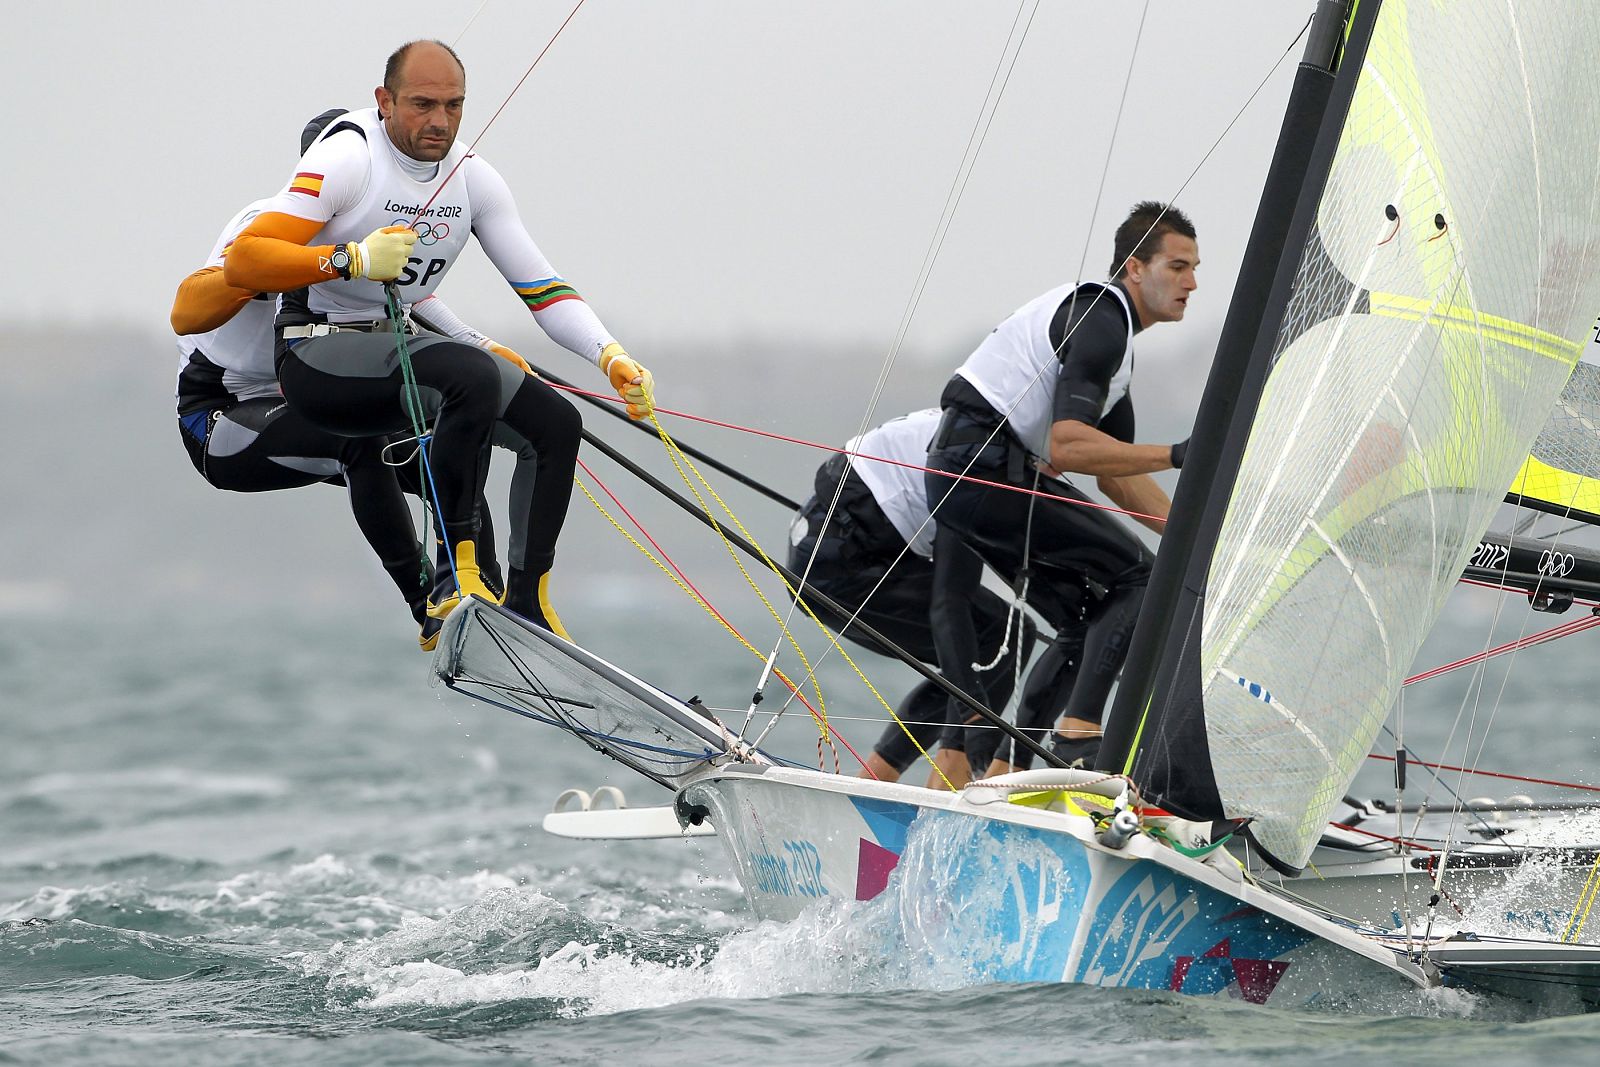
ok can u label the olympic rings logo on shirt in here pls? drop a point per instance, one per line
(427, 232)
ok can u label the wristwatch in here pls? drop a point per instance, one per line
(340, 261)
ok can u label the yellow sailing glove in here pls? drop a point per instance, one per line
(631, 381)
(382, 256)
(510, 357)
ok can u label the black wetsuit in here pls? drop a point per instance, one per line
(351, 383)
(261, 444)
(857, 550)
(1089, 570)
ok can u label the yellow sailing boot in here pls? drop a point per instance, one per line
(469, 582)
(528, 594)
(428, 629)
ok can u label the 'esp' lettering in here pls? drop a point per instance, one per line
(409, 275)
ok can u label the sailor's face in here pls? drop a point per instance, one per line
(423, 114)
(1166, 281)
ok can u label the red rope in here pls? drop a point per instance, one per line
(468, 155)
(613, 399)
(1383, 837)
(1491, 774)
(733, 629)
(1565, 629)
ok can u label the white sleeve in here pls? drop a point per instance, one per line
(436, 316)
(230, 231)
(329, 179)
(558, 309)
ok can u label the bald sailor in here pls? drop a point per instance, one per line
(387, 195)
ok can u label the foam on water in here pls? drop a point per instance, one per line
(519, 944)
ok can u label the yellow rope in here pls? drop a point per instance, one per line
(668, 571)
(1591, 888)
(684, 466)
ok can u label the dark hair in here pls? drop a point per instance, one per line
(1142, 232)
(391, 69)
(315, 127)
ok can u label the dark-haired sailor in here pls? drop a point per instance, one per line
(1047, 392)
(388, 195)
(880, 554)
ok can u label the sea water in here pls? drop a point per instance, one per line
(238, 827)
(208, 855)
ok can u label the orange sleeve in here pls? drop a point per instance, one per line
(205, 301)
(271, 256)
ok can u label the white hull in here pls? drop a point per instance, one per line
(1027, 895)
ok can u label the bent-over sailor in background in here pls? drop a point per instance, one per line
(1047, 392)
(880, 553)
(386, 195)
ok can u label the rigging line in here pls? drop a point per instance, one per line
(468, 153)
(536, 690)
(1475, 693)
(612, 399)
(411, 402)
(694, 591)
(1215, 144)
(1494, 774)
(1111, 147)
(934, 507)
(1432, 773)
(602, 402)
(975, 142)
(680, 462)
(1555, 632)
(827, 603)
(684, 468)
(470, 21)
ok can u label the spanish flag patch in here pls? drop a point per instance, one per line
(544, 292)
(306, 182)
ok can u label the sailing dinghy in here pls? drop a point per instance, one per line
(1420, 279)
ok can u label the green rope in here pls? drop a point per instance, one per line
(411, 400)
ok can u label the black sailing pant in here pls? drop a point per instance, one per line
(858, 548)
(262, 445)
(1072, 548)
(355, 387)
(351, 384)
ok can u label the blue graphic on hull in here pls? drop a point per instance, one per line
(1013, 899)
(888, 820)
(1155, 929)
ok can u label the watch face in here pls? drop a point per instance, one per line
(340, 260)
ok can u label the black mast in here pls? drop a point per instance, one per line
(1165, 651)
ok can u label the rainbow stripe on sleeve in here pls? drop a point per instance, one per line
(544, 292)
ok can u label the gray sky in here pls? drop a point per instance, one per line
(703, 171)
(744, 191)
